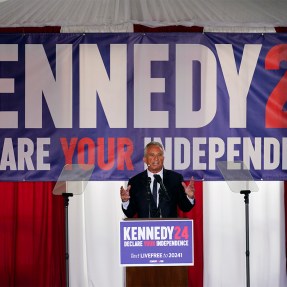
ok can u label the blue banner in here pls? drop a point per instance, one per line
(99, 98)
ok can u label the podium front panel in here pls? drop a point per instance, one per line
(160, 242)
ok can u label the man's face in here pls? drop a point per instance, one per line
(154, 159)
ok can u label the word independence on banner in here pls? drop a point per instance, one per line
(99, 98)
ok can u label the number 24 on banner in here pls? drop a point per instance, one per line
(181, 233)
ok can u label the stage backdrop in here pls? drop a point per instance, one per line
(99, 98)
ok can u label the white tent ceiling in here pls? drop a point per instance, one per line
(120, 15)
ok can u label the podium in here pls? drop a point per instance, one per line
(157, 252)
(72, 181)
(157, 276)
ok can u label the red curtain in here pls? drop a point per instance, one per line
(32, 237)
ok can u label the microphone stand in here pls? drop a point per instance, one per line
(66, 204)
(148, 194)
(159, 203)
(162, 187)
(247, 253)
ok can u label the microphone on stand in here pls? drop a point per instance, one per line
(162, 187)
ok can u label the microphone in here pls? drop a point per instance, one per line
(162, 187)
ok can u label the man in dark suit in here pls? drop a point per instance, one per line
(147, 200)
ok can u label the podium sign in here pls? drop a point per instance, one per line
(161, 242)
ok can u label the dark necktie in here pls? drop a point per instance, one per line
(154, 191)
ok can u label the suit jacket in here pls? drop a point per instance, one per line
(142, 203)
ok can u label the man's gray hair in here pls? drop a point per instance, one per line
(152, 143)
